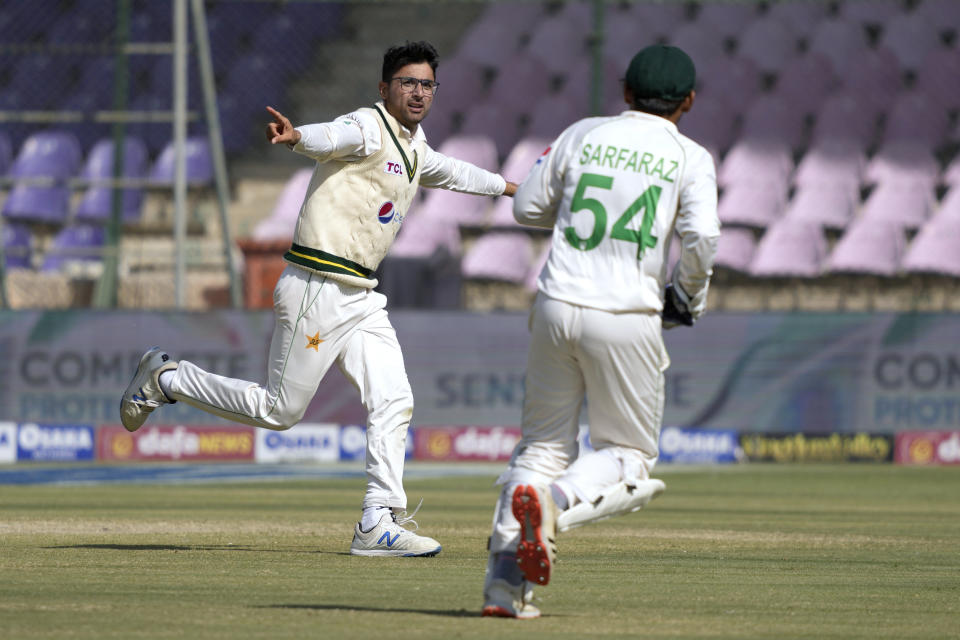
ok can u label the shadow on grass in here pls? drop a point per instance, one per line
(452, 613)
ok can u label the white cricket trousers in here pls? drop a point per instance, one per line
(616, 360)
(318, 322)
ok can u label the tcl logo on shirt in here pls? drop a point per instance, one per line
(393, 167)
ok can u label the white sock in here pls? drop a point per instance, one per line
(371, 517)
(165, 380)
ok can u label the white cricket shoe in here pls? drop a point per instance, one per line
(389, 538)
(504, 600)
(143, 394)
(535, 510)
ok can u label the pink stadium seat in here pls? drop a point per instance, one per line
(734, 80)
(950, 205)
(915, 116)
(552, 115)
(873, 75)
(801, 17)
(831, 207)
(951, 176)
(280, 223)
(423, 234)
(496, 36)
(769, 43)
(832, 162)
(561, 40)
(515, 169)
(621, 21)
(791, 248)
(520, 82)
(846, 115)
(479, 150)
(711, 122)
(874, 248)
(934, 249)
(839, 40)
(873, 13)
(499, 256)
(752, 204)
(907, 206)
(903, 162)
(727, 19)
(935, 73)
(757, 161)
(774, 118)
(806, 81)
(943, 13)
(701, 42)
(492, 119)
(735, 249)
(911, 37)
(461, 84)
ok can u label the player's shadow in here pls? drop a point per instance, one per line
(172, 547)
(452, 613)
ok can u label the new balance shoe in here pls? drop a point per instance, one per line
(504, 600)
(143, 394)
(390, 538)
(536, 512)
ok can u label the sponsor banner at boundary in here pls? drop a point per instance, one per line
(55, 442)
(465, 443)
(928, 447)
(699, 446)
(304, 442)
(186, 443)
(353, 442)
(805, 447)
(8, 442)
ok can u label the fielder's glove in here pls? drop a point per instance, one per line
(675, 312)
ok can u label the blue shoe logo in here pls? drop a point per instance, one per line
(140, 398)
(386, 534)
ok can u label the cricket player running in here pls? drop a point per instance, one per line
(369, 165)
(614, 190)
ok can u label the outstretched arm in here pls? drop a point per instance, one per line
(280, 131)
(444, 172)
(352, 134)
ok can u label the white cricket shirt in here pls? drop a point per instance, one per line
(614, 189)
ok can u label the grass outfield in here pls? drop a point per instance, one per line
(855, 551)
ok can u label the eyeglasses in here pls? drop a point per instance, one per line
(409, 85)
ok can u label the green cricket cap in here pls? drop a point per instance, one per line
(661, 71)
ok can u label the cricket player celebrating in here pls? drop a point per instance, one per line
(369, 165)
(614, 190)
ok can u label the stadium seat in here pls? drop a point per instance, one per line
(752, 204)
(773, 118)
(503, 256)
(49, 157)
(934, 249)
(280, 224)
(492, 120)
(462, 84)
(846, 115)
(728, 20)
(790, 248)
(736, 81)
(757, 161)
(951, 176)
(839, 40)
(869, 247)
(497, 35)
(908, 206)
(768, 43)
(659, 20)
(199, 163)
(17, 245)
(945, 14)
(79, 243)
(934, 74)
(552, 115)
(903, 162)
(831, 207)
(806, 81)
(701, 43)
(832, 162)
(872, 75)
(519, 84)
(735, 249)
(711, 122)
(914, 116)
(910, 36)
(801, 17)
(874, 13)
(423, 234)
(39, 95)
(96, 205)
(515, 169)
(560, 40)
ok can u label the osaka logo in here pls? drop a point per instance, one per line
(386, 212)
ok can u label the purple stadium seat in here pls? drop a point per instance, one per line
(515, 169)
(461, 85)
(873, 13)
(519, 84)
(735, 80)
(154, 134)
(903, 162)
(769, 43)
(911, 37)
(869, 247)
(934, 249)
(711, 122)
(78, 243)
(831, 207)
(34, 94)
(735, 249)
(906, 206)
(38, 204)
(773, 118)
(499, 256)
(279, 225)
(17, 245)
(806, 81)
(560, 40)
(97, 202)
(873, 76)
(283, 32)
(943, 13)
(621, 21)
(839, 40)
(951, 176)
(757, 161)
(496, 36)
(790, 248)
(423, 234)
(727, 19)
(552, 115)
(932, 77)
(475, 149)
(752, 204)
(950, 205)
(915, 116)
(54, 154)
(702, 43)
(801, 17)
(833, 161)
(846, 115)
(199, 163)
(493, 120)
